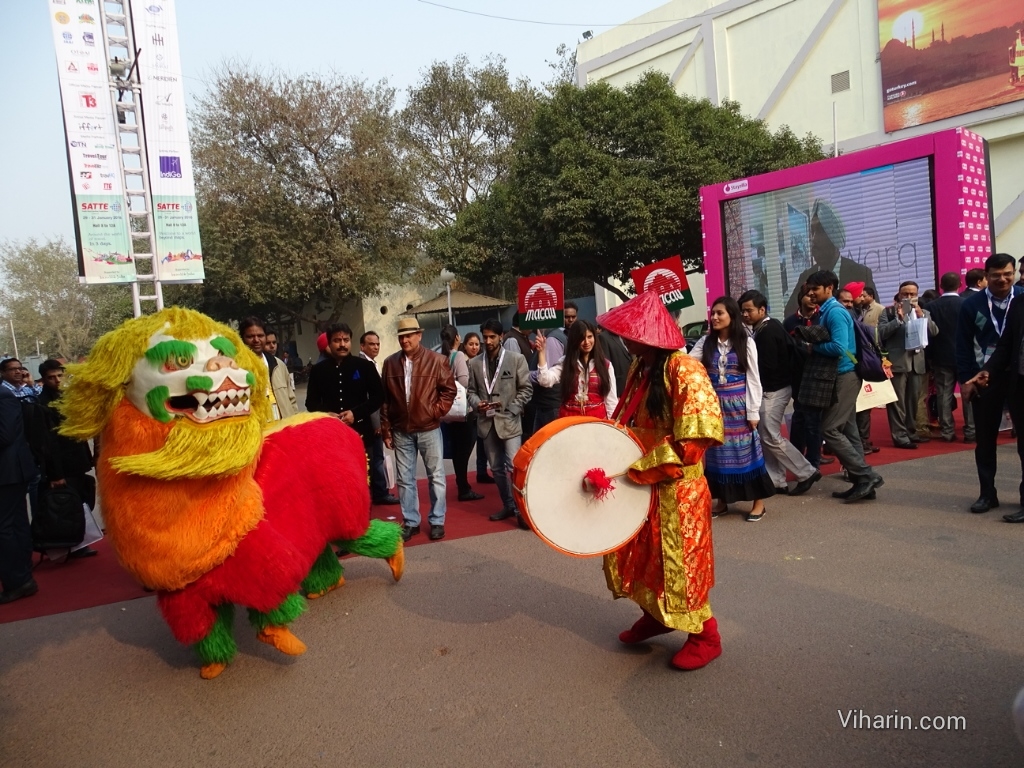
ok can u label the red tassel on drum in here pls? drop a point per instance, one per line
(597, 482)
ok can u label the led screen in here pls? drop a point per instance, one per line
(873, 227)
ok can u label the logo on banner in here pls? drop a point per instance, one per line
(62, 18)
(170, 167)
(540, 301)
(88, 100)
(668, 278)
(79, 144)
(154, 9)
(86, 126)
(157, 39)
(68, 37)
(88, 38)
(107, 186)
(71, 67)
(91, 66)
(85, 18)
(736, 186)
(85, 174)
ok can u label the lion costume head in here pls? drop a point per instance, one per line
(180, 405)
(191, 380)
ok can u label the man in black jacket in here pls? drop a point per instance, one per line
(1005, 371)
(774, 352)
(346, 386)
(66, 462)
(940, 353)
(16, 470)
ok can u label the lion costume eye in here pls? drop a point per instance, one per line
(178, 363)
(171, 356)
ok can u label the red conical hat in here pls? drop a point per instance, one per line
(644, 319)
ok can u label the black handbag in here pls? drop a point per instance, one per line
(59, 521)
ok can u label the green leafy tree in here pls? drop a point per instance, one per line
(41, 295)
(459, 125)
(606, 180)
(302, 192)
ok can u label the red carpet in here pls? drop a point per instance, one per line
(100, 580)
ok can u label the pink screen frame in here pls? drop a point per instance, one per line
(962, 215)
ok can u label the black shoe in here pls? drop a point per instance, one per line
(387, 501)
(984, 504)
(1016, 517)
(911, 446)
(968, 440)
(27, 589)
(805, 485)
(920, 439)
(84, 552)
(950, 439)
(408, 531)
(484, 479)
(826, 460)
(436, 532)
(861, 489)
(470, 496)
(505, 514)
(782, 490)
(871, 448)
(522, 523)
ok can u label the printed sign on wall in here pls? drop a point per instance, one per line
(540, 302)
(668, 278)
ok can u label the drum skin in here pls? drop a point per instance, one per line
(547, 485)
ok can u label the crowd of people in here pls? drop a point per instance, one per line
(508, 384)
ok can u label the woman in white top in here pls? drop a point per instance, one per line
(735, 471)
(591, 392)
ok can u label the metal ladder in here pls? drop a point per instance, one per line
(125, 94)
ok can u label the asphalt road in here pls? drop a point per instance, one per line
(496, 651)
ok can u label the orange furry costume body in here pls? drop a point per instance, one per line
(203, 504)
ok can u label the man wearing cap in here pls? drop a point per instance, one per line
(419, 389)
(669, 404)
(828, 238)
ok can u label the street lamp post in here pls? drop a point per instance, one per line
(447, 277)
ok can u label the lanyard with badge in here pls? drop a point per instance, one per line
(490, 385)
(1000, 327)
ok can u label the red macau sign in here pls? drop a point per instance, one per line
(668, 278)
(540, 302)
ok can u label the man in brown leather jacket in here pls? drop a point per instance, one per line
(419, 389)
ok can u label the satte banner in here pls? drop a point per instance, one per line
(175, 217)
(540, 302)
(668, 278)
(97, 192)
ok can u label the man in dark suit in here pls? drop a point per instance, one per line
(17, 468)
(1005, 369)
(982, 321)
(499, 389)
(828, 238)
(941, 351)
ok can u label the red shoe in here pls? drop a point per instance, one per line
(699, 650)
(645, 628)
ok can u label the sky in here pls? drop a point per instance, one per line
(961, 17)
(384, 39)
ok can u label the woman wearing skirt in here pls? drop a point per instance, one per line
(735, 471)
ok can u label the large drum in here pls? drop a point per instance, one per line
(547, 483)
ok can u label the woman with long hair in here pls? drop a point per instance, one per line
(735, 470)
(591, 391)
(471, 347)
(461, 434)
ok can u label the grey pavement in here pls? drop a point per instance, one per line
(497, 651)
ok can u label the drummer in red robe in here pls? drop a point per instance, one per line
(668, 402)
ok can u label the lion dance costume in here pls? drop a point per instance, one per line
(668, 569)
(203, 500)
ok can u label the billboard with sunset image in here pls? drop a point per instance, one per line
(942, 58)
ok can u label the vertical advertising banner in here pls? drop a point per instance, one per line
(942, 58)
(541, 302)
(175, 218)
(668, 278)
(97, 192)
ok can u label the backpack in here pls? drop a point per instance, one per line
(868, 362)
(59, 520)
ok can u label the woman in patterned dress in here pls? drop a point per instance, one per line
(736, 469)
(591, 392)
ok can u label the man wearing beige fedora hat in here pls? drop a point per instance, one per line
(419, 389)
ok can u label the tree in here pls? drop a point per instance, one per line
(42, 297)
(606, 180)
(302, 192)
(459, 125)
